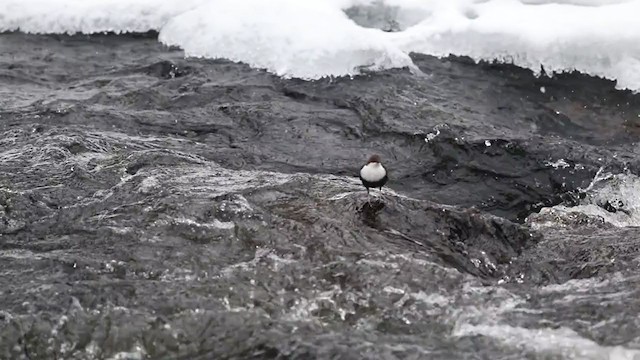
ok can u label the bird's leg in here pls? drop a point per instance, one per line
(368, 197)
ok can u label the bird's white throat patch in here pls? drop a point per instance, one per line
(373, 172)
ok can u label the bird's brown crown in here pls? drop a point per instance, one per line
(374, 158)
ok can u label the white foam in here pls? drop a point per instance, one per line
(138, 353)
(314, 38)
(620, 191)
(216, 224)
(561, 341)
(493, 312)
(581, 285)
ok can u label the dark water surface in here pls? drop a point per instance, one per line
(158, 207)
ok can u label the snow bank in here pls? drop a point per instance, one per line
(602, 39)
(89, 16)
(307, 39)
(314, 38)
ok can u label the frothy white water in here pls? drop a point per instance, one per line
(315, 38)
(562, 341)
(613, 199)
(495, 317)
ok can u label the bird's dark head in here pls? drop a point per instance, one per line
(374, 159)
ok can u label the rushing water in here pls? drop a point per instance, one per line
(160, 207)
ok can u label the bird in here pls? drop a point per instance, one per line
(373, 175)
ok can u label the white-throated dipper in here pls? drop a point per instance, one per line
(373, 174)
